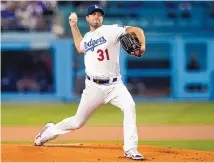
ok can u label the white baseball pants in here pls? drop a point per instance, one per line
(95, 95)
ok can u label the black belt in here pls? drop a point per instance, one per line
(101, 81)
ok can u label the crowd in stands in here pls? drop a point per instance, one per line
(39, 15)
(27, 15)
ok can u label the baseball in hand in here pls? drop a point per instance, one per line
(73, 18)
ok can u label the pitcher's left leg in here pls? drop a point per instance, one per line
(121, 98)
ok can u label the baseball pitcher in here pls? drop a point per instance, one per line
(101, 49)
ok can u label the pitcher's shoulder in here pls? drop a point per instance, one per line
(110, 26)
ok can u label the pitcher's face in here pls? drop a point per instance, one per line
(95, 19)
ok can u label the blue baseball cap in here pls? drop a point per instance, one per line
(93, 8)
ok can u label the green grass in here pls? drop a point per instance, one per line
(147, 114)
(202, 145)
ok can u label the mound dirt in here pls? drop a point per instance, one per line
(97, 152)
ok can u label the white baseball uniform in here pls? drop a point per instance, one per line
(102, 49)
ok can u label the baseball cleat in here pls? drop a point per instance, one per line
(133, 154)
(39, 140)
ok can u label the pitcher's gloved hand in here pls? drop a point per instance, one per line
(131, 44)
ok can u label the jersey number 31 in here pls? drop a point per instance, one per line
(102, 54)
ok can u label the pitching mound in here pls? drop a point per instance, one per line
(96, 152)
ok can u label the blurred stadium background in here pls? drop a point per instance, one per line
(40, 64)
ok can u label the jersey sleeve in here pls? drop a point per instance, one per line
(119, 30)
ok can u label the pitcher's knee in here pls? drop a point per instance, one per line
(78, 123)
(131, 104)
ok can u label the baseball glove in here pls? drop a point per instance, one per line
(131, 44)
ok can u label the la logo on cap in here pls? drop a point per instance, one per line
(96, 6)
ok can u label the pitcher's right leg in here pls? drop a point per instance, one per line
(92, 98)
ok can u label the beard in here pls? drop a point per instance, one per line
(95, 23)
